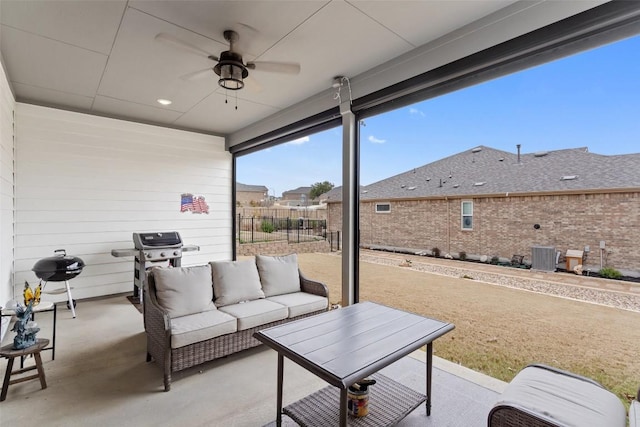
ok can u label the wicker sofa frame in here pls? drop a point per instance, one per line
(157, 325)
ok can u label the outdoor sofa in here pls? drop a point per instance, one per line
(200, 313)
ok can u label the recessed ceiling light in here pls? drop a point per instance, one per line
(164, 101)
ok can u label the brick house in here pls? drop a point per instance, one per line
(297, 197)
(490, 202)
(251, 195)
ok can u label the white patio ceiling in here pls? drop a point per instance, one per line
(100, 57)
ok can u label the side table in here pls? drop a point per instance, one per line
(43, 307)
(8, 352)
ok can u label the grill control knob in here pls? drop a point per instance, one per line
(148, 255)
(162, 255)
(176, 253)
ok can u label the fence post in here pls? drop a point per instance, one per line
(252, 227)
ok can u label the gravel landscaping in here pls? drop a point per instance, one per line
(614, 299)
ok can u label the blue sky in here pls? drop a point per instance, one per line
(587, 100)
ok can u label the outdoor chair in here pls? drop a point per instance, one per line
(542, 396)
(634, 412)
(516, 260)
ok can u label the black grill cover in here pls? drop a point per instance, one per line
(59, 267)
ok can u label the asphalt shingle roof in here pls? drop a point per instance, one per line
(299, 190)
(485, 170)
(251, 188)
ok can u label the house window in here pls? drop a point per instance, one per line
(383, 207)
(467, 215)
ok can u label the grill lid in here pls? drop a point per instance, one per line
(59, 267)
(169, 239)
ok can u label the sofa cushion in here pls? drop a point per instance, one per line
(198, 327)
(300, 303)
(255, 313)
(278, 274)
(235, 281)
(184, 290)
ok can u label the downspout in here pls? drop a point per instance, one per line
(448, 224)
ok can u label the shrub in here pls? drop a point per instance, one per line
(435, 252)
(495, 259)
(267, 227)
(462, 255)
(610, 273)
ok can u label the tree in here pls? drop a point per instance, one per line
(319, 188)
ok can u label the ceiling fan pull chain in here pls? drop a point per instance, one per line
(236, 92)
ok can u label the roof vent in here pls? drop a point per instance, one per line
(540, 154)
(456, 185)
(479, 184)
(476, 150)
(428, 179)
(402, 186)
(411, 188)
(501, 159)
(365, 191)
(569, 177)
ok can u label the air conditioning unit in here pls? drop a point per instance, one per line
(543, 258)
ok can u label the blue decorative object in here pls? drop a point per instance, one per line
(24, 327)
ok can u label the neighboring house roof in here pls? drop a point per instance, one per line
(484, 170)
(299, 190)
(333, 195)
(251, 188)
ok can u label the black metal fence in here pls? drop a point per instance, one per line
(334, 240)
(272, 229)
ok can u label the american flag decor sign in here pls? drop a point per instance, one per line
(191, 203)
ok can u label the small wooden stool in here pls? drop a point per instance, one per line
(10, 353)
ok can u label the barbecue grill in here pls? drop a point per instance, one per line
(60, 268)
(153, 249)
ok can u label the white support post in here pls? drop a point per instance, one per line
(350, 205)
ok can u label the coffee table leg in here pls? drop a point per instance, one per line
(343, 407)
(429, 362)
(279, 397)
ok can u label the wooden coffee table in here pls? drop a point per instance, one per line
(345, 345)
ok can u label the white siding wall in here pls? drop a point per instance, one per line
(86, 183)
(7, 105)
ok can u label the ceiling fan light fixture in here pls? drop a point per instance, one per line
(231, 70)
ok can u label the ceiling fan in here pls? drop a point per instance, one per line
(230, 66)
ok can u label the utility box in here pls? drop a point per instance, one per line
(573, 258)
(543, 258)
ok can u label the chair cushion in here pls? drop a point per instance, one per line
(255, 313)
(235, 281)
(634, 414)
(563, 399)
(198, 327)
(278, 274)
(184, 290)
(300, 303)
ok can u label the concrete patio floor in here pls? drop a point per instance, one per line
(100, 377)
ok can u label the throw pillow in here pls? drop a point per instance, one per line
(235, 281)
(184, 290)
(278, 274)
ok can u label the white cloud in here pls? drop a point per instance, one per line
(413, 111)
(299, 141)
(376, 140)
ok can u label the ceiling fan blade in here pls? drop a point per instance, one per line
(196, 75)
(173, 41)
(252, 84)
(275, 67)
